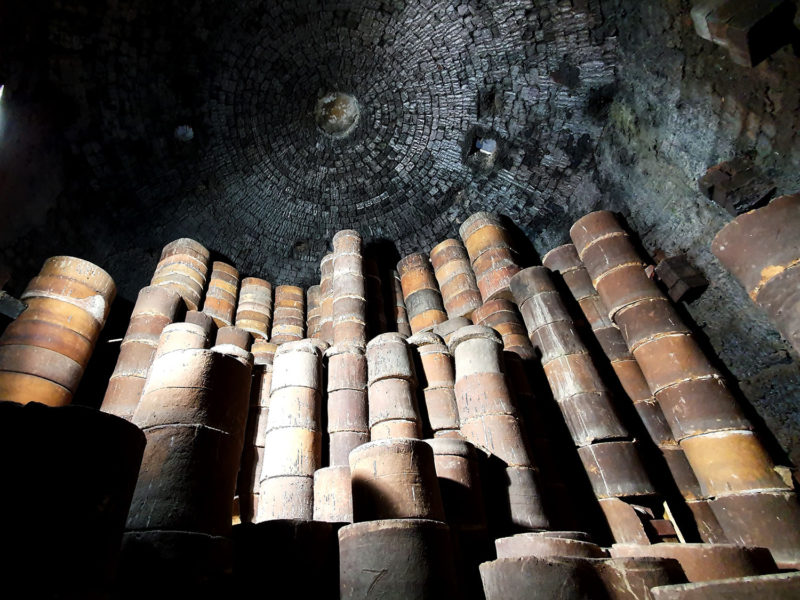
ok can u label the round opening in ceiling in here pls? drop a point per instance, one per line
(184, 133)
(337, 114)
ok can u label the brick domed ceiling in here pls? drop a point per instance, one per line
(200, 121)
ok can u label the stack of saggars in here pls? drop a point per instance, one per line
(183, 268)
(293, 437)
(334, 478)
(737, 477)
(313, 311)
(565, 261)
(221, 295)
(179, 275)
(393, 407)
(193, 412)
(421, 295)
(456, 280)
(155, 308)
(348, 428)
(44, 352)
(399, 545)
(346, 402)
(89, 457)
(254, 309)
(518, 359)
(349, 290)
(347, 416)
(503, 316)
(282, 539)
(289, 314)
(326, 299)
(434, 368)
(399, 312)
(247, 486)
(605, 447)
(493, 259)
(490, 420)
(458, 468)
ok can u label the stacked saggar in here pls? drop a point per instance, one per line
(606, 449)
(750, 500)
(565, 261)
(193, 412)
(44, 353)
(423, 514)
(421, 295)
